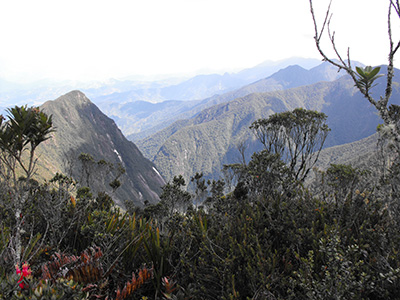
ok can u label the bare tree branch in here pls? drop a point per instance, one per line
(382, 104)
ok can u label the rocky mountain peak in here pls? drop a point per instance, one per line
(82, 128)
(76, 98)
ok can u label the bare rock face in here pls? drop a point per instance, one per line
(82, 128)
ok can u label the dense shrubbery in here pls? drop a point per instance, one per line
(270, 238)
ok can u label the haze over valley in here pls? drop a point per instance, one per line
(190, 125)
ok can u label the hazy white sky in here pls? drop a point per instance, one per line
(98, 39)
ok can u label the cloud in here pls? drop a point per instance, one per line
(99, 39)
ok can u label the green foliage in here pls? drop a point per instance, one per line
(157, 251)
(341, 182)
(115, 184)
(267, 173)
(268, 239)
(296, 136)
(341, 174)
(26, 127)
(367, 76)
(173, 197)
(41, 290)
(200, 188)
(98, 174)
(4, 237)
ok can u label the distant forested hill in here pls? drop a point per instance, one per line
(209, 139)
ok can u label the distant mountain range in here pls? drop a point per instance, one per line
(139, 119)
(193, 125)
(201, 86)
(206, 141)
(82, 128)
(142, 89)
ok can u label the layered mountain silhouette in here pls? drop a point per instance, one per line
(143, 111)
(195, 88)
(82, 128)
(209, 139)
(165, 113)
(185, 136)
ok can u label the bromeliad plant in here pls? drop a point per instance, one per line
(367, 76)
(72, 277)
(26, 272)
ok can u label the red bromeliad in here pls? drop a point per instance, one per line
(25, 273)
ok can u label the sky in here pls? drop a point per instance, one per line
(97, 39)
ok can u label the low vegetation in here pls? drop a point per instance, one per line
(262, 235)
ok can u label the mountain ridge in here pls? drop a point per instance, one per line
(180, 145)
(289, 77)
(82, 128)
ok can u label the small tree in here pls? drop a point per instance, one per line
(25, 129)
(173, 197)
(340, 182)
(266, 174)
(200, 188)
(297, 137)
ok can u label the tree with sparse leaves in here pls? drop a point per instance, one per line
(173, 197)
(297, 137)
